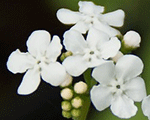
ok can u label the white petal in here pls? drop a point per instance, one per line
(110, 48)
(135, 89)
(30, 82)
(104, 73)
(146, 106)
(81, 26)
(54, 73)
(101, 97)
(67, 16)
(19, 62)
(74, 41)
(115, 18)
(75, 65)
(90, 8)
(105, 28)
(123, 107)
(95, 38)
(128, 67)
(54, 49)
(38, 42)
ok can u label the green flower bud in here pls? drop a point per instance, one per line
(67, 94)
(66, 105)
(76, 102)
(76, 112)
(80, 87)
(66, 114)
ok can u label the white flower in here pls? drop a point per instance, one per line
(146, 106)
(90, 15)
(90, 52)
(39, 61)
(132, 39)
(120, 85)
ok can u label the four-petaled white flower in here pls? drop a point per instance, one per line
(90, 15)
(146, 106)
(90, 52)
(120, 85)
(39, 61)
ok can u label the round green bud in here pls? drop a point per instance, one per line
(76, 102)
(76, 112)
(66, 114)
(66, 93)
(66, 105)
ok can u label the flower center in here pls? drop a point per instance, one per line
(118, 86)
(91, 52)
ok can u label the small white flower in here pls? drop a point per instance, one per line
(132, 39)
(146, 106)
(76, 102)
(119, 86)
(90, 15)
(90, 52)
(39, 61)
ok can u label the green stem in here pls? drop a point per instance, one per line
(85, 108)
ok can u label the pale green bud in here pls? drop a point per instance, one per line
(76, 102)
(66, 114)
(66, 105)
(80, 87)
(66, 94)
(76, 112)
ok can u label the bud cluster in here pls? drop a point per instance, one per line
(72, 99)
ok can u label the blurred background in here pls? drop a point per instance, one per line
(18, 18)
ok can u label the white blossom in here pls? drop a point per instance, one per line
(90, 15)
(90, 52)
(146, 106)
(120, 85)
(132, 39)
(39, 61)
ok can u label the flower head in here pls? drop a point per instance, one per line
(90, 52)
(90, 15)
(146, 106)
(120, 85)
(39, 61)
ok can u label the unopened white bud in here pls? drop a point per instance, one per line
(116, 58)
(66, 105)
(80, 87)
(67, 94)
(67, 82)
(76, 102)
(132, 39)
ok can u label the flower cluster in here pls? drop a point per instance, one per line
(92, 43)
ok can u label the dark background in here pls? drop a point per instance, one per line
(18, 18)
